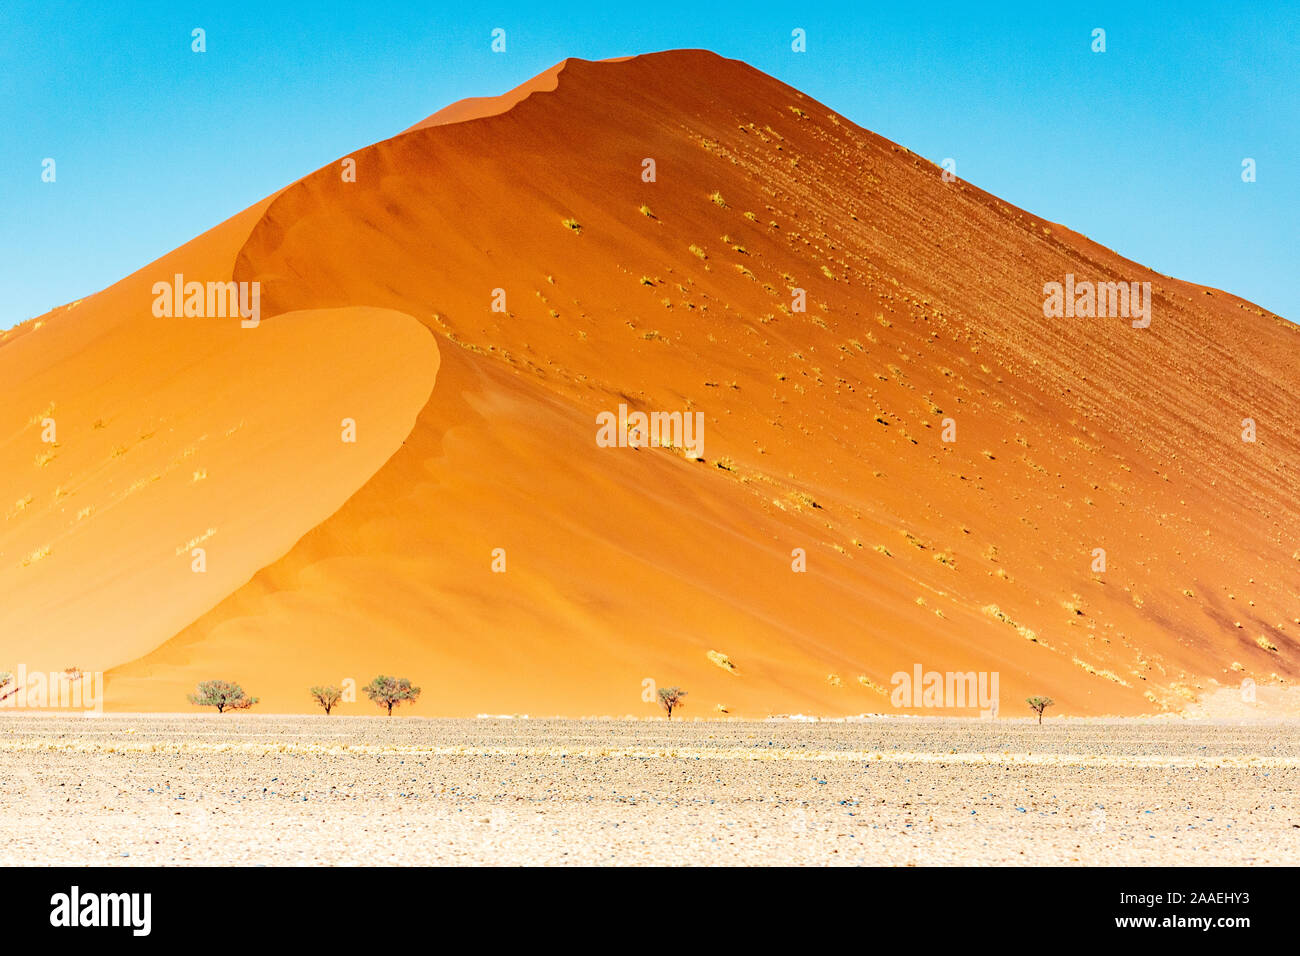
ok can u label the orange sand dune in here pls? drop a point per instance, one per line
(476, 107)
(823, 432)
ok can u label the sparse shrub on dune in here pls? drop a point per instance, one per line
(573, 224)
(327, 697)
(670, 698)
(995, 612)
(223, 695)
(40, 554)
(869, 684)
(1038, 705)
(1099, 672)
(391, 691)
(720, 659)
(804, 500)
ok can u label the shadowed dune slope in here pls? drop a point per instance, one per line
(822, 430)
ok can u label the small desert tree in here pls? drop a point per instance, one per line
(327, 697)
(222, 694)
(391, 691)
(5, 689)
(1039, 704)
(670, 697)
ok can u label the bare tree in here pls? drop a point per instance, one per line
(670, 697)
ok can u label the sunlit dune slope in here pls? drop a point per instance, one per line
(823, 432)
(129, 441)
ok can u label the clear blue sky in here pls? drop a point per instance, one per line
(1139, 148)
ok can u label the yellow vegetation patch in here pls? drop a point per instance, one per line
(1109, 675)
(869, 684)
(723, 661)
(38, 555)
(995, 612)
(195, 542)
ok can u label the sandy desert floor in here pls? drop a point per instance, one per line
(170, 789)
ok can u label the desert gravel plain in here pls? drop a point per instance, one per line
(249, 789)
